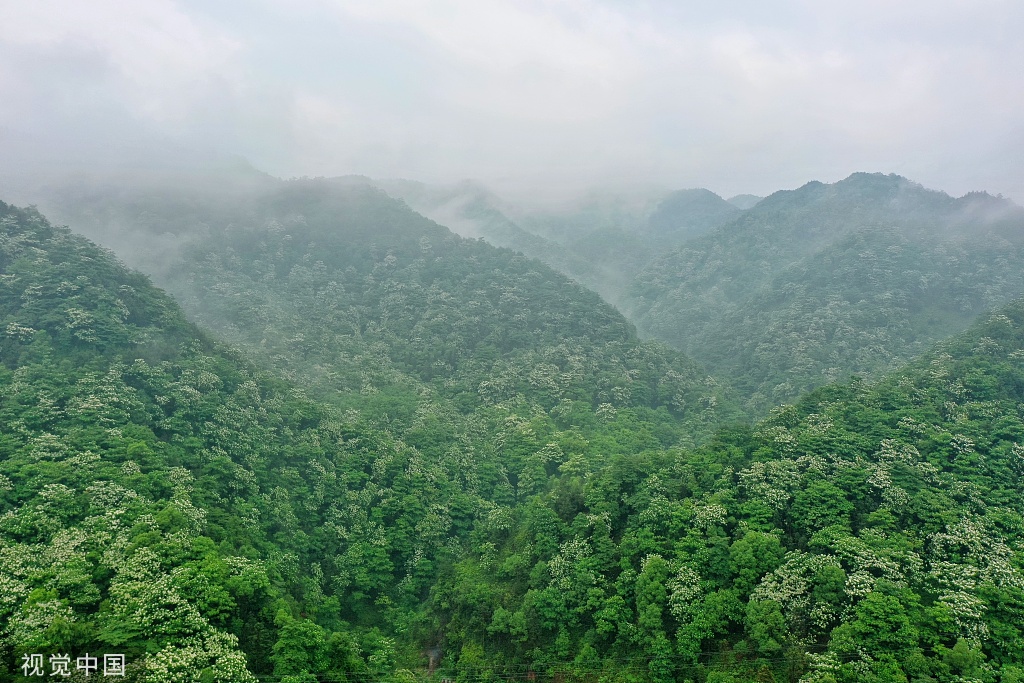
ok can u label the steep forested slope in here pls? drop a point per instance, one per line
(129, 450)
(473, 211)
(601, 240)
(744, 201)
(686, 214)
(828, 280)
(869, 533)
(161, 498)
(335, 284)
(349, 265)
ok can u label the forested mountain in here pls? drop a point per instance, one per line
(778, 295)
(817, 283)
(334, 283)
(685, 214)
(144, 475)
(869, 533)
(579, 251)
(744, 201)
(493, 490)
(803, 288)
(620, 244)
(147, 218)
(163, 499)
(601, 241)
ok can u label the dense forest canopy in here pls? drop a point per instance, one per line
(812, 285)
(564, 341)
(794, 291)
(602, 240)
(367, 448)
(335, 284)
(777, 295)
(228, 465)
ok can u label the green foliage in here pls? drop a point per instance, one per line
(365, 301)
(161, 497)
(813, 285)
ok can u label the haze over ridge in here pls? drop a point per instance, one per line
(532, 98)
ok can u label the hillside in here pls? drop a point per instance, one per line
(871, 532)
(744, 201)
(686, 214)
(139, 472)
(816, 284)
(336, 285)
(601, 240)
(162, 498)
(472, 211)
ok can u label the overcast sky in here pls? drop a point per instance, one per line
(748, 96)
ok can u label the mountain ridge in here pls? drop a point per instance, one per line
(214, 523)
(916, 265)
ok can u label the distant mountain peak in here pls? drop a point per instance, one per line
(688, 213)
(983, 198)
(744, 201)
(695, 193)
(873, 177)
(869, 189)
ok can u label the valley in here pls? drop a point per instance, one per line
(646, 438)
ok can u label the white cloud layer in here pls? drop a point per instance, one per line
(528, 95)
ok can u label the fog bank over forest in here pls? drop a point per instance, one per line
(562, 341)
(535, 100)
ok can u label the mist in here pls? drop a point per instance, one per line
(537, 100)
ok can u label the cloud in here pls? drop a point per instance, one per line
(152, 52)
(532, 95)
